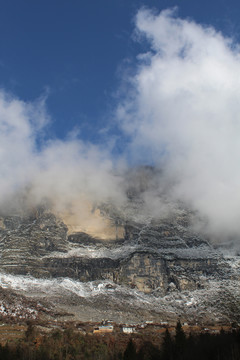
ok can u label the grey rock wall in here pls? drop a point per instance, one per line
(159, 256)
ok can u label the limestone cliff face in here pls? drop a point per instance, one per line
(88, 219)
(154, 256)
(26, 239)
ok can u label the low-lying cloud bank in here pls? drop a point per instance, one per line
(181, 114)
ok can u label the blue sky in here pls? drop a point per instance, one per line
(74, 51)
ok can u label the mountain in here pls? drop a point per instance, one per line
(119, 263)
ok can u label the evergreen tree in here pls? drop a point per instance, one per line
(30, 333)
(130, 352)
(148, 351)
(167, 347)
(180, 341)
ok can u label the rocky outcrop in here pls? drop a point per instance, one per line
(157, 256)
(24, 240)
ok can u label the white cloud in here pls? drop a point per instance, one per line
(18, 124)
(184, 113)
(64, 171)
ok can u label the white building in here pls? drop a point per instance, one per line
(128, 329)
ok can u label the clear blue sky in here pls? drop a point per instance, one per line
(74, 48)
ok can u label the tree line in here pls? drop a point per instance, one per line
(70, 345)
(204, 346)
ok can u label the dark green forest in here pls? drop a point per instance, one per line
(70, 345)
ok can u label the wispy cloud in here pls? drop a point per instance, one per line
(60, 170)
